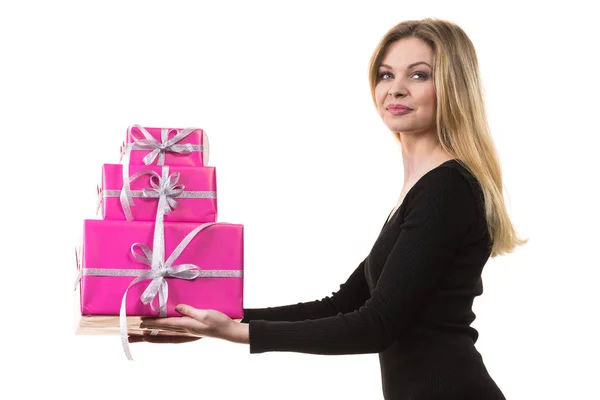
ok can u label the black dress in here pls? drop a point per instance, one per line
(410, 300)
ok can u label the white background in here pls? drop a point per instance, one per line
(305, 163)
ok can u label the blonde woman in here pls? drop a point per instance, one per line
(410, 300)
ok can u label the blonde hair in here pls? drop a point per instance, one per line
(461, 121)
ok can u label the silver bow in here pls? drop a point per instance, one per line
(159, 149)
(158, 274)
(160, 186)
(164, 146)
(159, 270)
(164, 187)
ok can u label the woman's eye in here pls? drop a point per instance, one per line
(424, 75)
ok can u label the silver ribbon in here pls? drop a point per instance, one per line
(186, 194)
(203, 273)
(79, 269)
(159, 270)
(164, 187)
(159, 149)
(99, 201)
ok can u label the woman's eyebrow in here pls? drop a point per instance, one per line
(410, 66)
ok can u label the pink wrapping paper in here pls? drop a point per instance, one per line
(193, 159)
(107, 244)
(144, 209)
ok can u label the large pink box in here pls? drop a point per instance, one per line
(197, 202)
(197, 139)
(218, 250)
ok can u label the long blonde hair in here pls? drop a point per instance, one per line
(461, 121)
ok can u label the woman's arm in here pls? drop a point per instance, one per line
(351, 295)
(438, 216)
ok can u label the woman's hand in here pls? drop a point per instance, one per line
(200, 323)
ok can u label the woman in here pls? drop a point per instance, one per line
(410, 300)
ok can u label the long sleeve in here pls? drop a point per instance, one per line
(440, 209)
(351, 295)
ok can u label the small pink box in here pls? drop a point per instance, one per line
(218, 250)
(197, 202)
(197, 139)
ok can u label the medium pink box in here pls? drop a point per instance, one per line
(197, 203)
(198, 139)
(218, 250)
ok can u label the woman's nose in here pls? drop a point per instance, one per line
(397, 89)
(396, 93)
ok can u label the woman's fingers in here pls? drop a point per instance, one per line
(147, 337)
(169, 323)
(135, 338)
(167, 328)
(189, 311)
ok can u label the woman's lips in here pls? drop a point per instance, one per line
(399, 110)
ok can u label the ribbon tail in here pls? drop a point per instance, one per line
(158, 244)
(99, 201)
(79, 269)
(172, 204)
(150, 157)
(78, 278)
(163, 295)
(162, 304)
(161, 158)
(126, 196)
(151, 291)
(123, 319)
(205, 148)
(123, 325)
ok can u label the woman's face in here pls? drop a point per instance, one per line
(403, 82)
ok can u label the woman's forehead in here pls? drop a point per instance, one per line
(405, 52)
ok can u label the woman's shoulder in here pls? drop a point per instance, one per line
(451, 171)
(451, 177)
(472, 181)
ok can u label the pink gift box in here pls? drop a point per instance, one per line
(216, 250)
(197, 203)
(196, 158)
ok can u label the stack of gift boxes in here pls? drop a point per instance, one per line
(158, 243)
